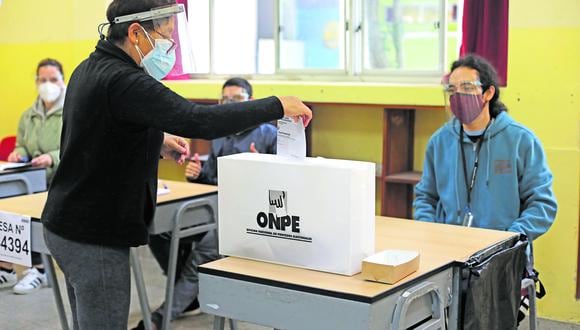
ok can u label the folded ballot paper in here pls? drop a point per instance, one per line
(314, 213)
(291, 140)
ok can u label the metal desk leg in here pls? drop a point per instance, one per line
(141, 290)
(176, 235)
(530, 285)
(219, 323)
(171, 270)
(453, 322)
(50, 273)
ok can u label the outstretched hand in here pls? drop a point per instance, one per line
(175, 147)
(295, 109)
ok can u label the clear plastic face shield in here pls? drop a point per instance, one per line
(169, 23)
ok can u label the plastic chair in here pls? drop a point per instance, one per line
(7, 146)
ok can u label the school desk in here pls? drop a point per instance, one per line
(286, 297)
(21, 181)
(188, 209)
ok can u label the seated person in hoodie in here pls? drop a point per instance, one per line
(38, 142)
(260, 139)
(482, 168)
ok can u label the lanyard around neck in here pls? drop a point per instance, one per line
(469, 186)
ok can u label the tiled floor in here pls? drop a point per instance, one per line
(37, 311)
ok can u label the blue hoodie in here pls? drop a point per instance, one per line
(513, 186)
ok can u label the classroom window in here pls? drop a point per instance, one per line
(311, 35)
(339, 39)
(401, 35)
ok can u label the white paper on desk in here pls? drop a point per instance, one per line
(10, 166)
(162, 188)
(291, 138)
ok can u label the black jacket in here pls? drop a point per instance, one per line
(104, 191)
(265, 138)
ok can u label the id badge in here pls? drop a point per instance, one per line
(467, 218)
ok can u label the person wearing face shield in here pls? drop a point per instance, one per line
(261, 138)
(482, 168)
(103, 195)
(38, 142)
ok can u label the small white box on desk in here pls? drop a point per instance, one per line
(313, 213)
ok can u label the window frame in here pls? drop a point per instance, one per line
(353, 57)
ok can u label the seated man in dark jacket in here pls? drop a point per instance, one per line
(260, 138)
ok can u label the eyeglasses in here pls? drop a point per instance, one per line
(234, 98)
(467, 87)
(173, 44)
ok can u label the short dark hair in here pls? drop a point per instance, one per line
(487, 77)
(52, 62)
(118, 32)
(240, 82)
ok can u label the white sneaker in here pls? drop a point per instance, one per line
(7, 279)
(32, 281)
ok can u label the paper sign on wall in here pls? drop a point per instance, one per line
(15, 239)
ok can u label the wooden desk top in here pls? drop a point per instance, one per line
(32, 205)
(438, 245)
(180, 190)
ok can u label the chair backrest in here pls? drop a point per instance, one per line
(7, 146)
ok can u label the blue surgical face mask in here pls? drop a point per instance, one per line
(160, 60)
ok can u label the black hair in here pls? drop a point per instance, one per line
(118, 32)
(51, 62)
(240, 82)
(487, 77)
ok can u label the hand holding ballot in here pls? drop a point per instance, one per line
(175, 147)
(295, 109)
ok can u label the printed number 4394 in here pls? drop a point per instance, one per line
(14, 245)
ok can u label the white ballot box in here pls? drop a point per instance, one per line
(313, 213)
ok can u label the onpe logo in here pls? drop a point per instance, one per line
(278, 217)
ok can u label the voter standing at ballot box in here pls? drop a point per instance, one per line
(38, 142)
(260, 138)
(103, 195)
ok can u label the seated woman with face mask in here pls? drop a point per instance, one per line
(38, 142)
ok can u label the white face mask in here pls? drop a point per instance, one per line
(49, 92)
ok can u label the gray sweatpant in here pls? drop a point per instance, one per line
(98, 281)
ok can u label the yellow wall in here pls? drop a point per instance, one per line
(61, 29)
(543, 94)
